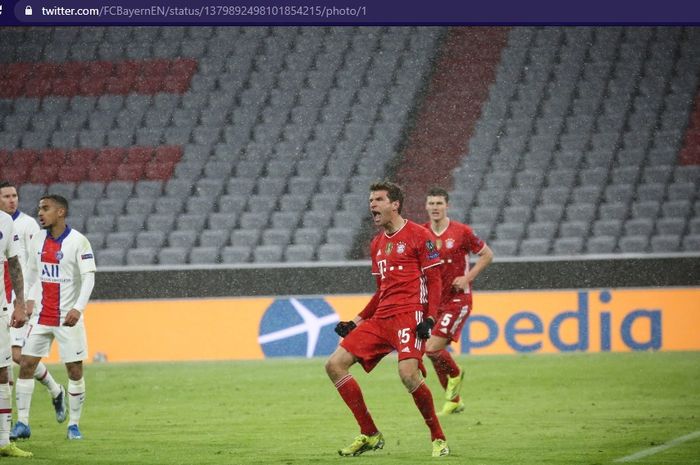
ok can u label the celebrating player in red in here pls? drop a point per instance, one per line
(455, 241)
(399, 317)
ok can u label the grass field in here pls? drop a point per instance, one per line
(538, 409)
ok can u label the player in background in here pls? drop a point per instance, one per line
(455, 241)
(25, 228)
(60, 276)
(399, 317)
(9, 251)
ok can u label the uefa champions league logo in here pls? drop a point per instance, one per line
(298, 328)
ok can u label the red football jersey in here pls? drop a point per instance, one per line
(399, 261)
(455, 244)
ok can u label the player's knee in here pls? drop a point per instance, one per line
(433, 355)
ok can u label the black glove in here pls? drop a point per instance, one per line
(344, 327)
(424, 327)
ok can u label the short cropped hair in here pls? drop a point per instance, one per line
(439, 192)
(59, 199)
(4, 184)
(393, 190)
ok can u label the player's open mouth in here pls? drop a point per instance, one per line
(376, 215)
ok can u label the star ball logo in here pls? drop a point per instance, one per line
(298, 328)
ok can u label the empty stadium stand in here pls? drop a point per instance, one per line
(231, 145)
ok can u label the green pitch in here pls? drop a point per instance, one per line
(539, 409)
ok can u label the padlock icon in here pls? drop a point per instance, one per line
(28, 10)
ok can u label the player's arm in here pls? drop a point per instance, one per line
(343, 328)
(86, 286)
(484, 260)
(434, 283)
(19, 315)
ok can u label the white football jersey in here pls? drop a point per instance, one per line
(25, 227)
(9, 247)
(58, 263)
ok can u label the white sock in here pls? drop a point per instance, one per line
(76, 397)
(24, 388)
(5, 413)
(42, 375)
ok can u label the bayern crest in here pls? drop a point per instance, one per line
(450, 243)
(401, 247)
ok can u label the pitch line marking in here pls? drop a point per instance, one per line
(657, 449)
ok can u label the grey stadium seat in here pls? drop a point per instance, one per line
(268, 253)
(534, 247)
(150, 239)
(140, 256)
(204, 255)
(96, 239)
(120, 240)
(245, 237)
(172, 256)
(332, 253)
(235, 254)
(601, 244)
(299, 253)
(633, 244)
(214, 237)
(110, 257)
(568, 246)
(183, 239)
(666, 243)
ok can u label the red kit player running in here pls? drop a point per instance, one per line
(455, 241)
(398, 318)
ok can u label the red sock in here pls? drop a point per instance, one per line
(350, 391)
(444, 366)
(424, 401)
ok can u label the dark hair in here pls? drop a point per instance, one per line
(59, 199)
(439, 192)
(393, 190)
(4, 184)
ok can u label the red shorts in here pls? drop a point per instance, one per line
(377, 337)
(451, 319)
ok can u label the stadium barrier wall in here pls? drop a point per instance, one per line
(354, 277)
(504, 322)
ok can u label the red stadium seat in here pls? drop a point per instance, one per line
(176, 84)
(119, 85)
(141, 155)
(66, 87)
(24, 157)
(128, 68)
(11, 87)
(81, 156)
(168, 153)
(4, 158)
(37, 87)
(102, 172)
(101, 69)
(45, 71)
(16, 174)
(92, 85)
(156, 68)
(52, 157)
(43, 174)
(148, 85)
(159, 171)
(130, 171)
(111, 155)
(184, 67)
(73, 173)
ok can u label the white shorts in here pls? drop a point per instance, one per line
(72, 341)
(5, 349)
